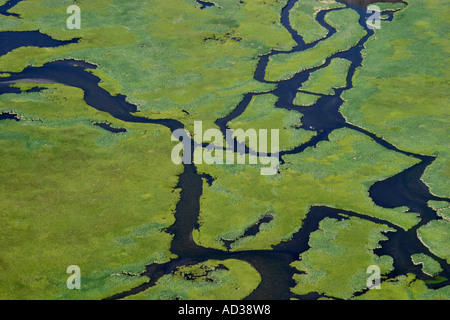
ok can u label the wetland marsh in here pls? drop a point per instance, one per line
(85, 123)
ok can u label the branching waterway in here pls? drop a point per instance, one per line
(403, 189)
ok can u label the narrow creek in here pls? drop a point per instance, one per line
(403, 189)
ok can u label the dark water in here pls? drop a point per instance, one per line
(406, 189)
(7, 6)
(107, 126)
(11, 40)
(403, 189)
(205, 4)
(9, 116)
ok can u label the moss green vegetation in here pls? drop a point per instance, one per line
(436, 175)
(303, 18)
(210, 280)
(405, 288)
(262, 114)
(436, 236)
(284, 66)
(339, 255)
(304, 99)
(326, 79)
(429, 266)
(401, 93)
(73, 193)
(336, 173)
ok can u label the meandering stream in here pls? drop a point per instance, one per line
(403, 189)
